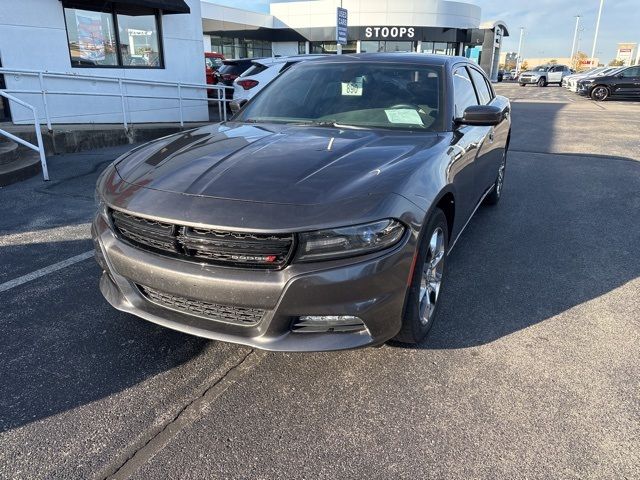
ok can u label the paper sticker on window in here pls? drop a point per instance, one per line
(404, 115)
(352, 88)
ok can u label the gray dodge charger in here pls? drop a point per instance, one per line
(320, 217)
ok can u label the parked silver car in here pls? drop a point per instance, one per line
(544, 75)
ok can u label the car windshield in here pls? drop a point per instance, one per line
(353, 94)
(541, 68)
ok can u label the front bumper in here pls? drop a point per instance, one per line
(583, 88)
(528, 80)
(371, 287)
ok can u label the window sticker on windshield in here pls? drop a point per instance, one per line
(404, 115)
(352, 88)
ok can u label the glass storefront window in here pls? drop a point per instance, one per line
(440, 48)
(114, 37)
(240, 47)
(92, 38)
(331, 47)
(386, 46)
(138, 40)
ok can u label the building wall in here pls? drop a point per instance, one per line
(33, 36)
(322, 13)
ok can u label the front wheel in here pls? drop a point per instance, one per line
(422, 303)
(600, 93)
(542, 82)
(523, 84)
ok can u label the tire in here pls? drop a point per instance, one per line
(417, 319)
(494, 197)
(600, 93)
(542, 82)
(523, 84)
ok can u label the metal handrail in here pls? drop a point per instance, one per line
(36, 124)
(42, 75)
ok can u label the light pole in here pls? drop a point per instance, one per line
(575, 39)
(519, 59)
(595, 38)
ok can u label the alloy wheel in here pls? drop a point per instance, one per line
(431, 279)
(500, 180)
(600, 93)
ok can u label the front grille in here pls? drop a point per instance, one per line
(249, 250)
(214, 311)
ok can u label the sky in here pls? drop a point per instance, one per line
(549, 24)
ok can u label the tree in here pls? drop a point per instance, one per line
(616, 63)
(525, 66)
(553, 62)
(579, 61)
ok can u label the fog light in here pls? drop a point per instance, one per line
(328, 323)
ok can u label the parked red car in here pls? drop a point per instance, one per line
(212, 62)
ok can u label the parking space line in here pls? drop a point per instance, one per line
(44, 271)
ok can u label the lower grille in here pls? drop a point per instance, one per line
(240, 249)
(214, 311)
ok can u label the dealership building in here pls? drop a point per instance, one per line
(140, 61)
(290, 28)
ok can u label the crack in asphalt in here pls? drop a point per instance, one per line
(186, 416)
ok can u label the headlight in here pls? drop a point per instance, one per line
(349, 241)
(97, 196)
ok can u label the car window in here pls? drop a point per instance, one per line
(213, 62)
(463, 93)
(353, 93)
(288, 64)
(481, 86)
(631, 72)
(254, 69)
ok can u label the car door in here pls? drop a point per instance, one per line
(491, 149)
(554, 75)
(465, 145)
(627, 82)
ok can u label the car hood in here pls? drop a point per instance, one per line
(532, 72)
(279, 163)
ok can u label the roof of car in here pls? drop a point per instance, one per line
(287, 58)
(408, 57)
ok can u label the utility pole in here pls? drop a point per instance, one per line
(595, 38)
(575, 39)
(519, 59)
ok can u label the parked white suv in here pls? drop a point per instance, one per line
(259, 75)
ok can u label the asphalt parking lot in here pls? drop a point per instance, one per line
(531, 372)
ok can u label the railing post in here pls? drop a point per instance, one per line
(44, 101)
(124, 108)
(219, 102)
(180, 104)
(43, 158)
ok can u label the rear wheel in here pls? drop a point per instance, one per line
(542, 82)
(494, 197)
(600, 93)
(422, 303)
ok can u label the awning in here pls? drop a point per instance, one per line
(167, 6)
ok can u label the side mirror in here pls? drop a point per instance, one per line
(481, 116)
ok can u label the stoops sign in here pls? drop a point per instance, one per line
(342, 26)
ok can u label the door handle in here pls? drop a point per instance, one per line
(491, 137)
